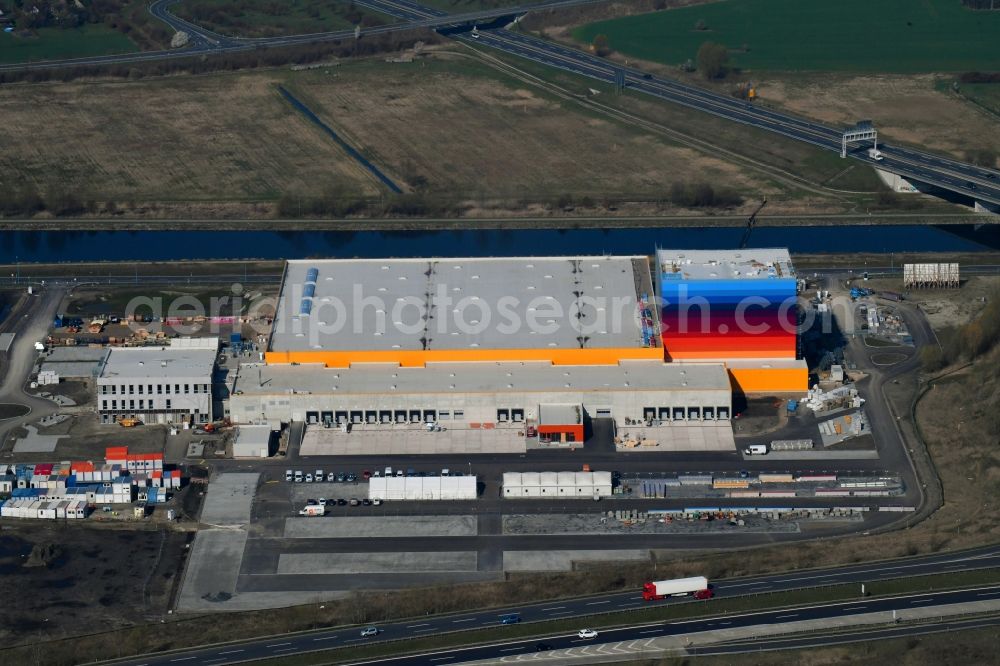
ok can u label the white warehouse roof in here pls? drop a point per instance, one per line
(353, 295)
(158, 363)
(484, 377)
(418, 488)
(749, 264)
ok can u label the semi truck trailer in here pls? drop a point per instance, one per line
(696, 586)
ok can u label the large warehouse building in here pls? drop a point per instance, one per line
(411, 312)
(736, 307)
(548, 341)
(556, 398)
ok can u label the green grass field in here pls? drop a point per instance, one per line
(261, 18)
(987, 95)
(55, 43)
(905, 36)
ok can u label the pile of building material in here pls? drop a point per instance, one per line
(842, 397)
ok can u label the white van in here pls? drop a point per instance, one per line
(755, 450)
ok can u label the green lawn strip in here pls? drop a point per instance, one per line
(791, 35)
(648, 614)
(91, 39)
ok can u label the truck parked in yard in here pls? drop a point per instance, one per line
(696, 586)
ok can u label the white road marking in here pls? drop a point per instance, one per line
(277, 644)
(511, 649)
(651, 631)
(856, 608)
(422, 630)
(778, 617)
(182, 659)
(597, 603)
(231, 652)
(468, 619)
(414, 626)
(440, 658)
(553, 608)
(291, 649)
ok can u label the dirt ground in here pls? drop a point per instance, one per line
(947, 307)
(95, 579)
(192, 138)
(88, 439)
(908, 109)
(467, 131)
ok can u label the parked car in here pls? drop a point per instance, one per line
(369, 631)
(289, 474)
(376, 474)
(366, 474)
(354, 501)
(341, 477)
(399, 472)
(445, 472)
(587, 633)
(319, 476)
(311, 502)
(366, 502)
(388, 471)
(376, 501)
(411, 472)
(341, 502)
(351, 477)
(309, 478)
(322, 501)
(298, 477)
(331, 477)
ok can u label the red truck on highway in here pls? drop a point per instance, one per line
(696, 586)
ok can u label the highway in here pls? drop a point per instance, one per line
(966, 179)
(291, 644)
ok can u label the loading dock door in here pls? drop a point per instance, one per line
(312, 417)
(603, 413)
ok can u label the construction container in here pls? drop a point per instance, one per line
(776, 478)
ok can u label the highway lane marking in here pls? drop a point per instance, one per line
(325, 638)
(422, 630)
(291, 649)
(440, 658)
(597, 603)
(231, 651)
(987, 594)
(921, 601)
(510, 649)
(273, 645)
(553, 608)
(182, 659)
(626, 605)
(725, 623)
(856, 608)
(212, 661)
(414, 626)
(652, 631)
(468, 619)
(778, 617)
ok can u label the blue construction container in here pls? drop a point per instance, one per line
(793, 405)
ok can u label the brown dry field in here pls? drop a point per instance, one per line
(222, 138)
(907, 109)
(946, 308)
(197, 138)
(471, 132)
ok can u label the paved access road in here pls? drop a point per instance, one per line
(290, 644)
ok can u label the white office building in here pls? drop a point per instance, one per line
(156, 385)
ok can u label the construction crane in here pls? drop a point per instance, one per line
(751, 221)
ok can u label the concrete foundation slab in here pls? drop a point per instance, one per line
(323, 563)
(381, 526)
(562, 560)
(212, 570)
(678, 436)
(229, 499)
(35, 443)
